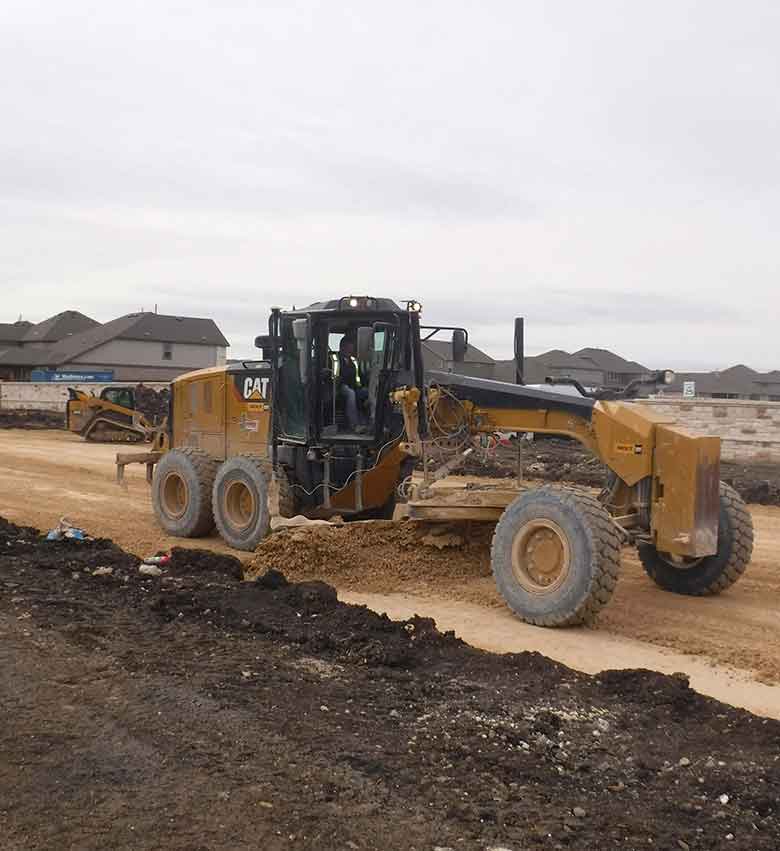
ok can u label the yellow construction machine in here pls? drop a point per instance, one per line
(110, 417)
(279, 436)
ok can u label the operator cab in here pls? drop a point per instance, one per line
(334, 366)
(337, 362)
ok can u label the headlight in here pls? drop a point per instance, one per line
(353, 302)
(413, 306)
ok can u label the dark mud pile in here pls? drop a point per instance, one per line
(756, 483)
(191, 710)
(561, 460)
(153, 404)
(31, 419)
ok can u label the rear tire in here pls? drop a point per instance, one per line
(240, 499)
(181, 492)
(711, 574)
(556, 556)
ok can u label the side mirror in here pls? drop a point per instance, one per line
(365, 343)
(264, 343)
(459, 345)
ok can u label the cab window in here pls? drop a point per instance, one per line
(119, 396)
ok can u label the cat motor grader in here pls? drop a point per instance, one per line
(270, 437)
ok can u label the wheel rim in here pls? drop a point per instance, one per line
(679, 562)
(175, 495)
(239, 505)
(541, 557)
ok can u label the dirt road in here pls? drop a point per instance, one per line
(44, 475)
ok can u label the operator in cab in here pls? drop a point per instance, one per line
(351, 392)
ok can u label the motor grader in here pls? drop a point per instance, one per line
(252, 440)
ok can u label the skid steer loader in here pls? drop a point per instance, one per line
(247, 441)
(109, 418)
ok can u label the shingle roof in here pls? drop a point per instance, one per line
(563, 360)
(150, 327)
(59, 326)
(12, 332)
(535, 369)
(443, 349)
(740, 380)
(609, 361)
(17, 356)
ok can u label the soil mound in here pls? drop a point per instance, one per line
(31, 419)
(380, 555)
(265, 710)
(560, 460)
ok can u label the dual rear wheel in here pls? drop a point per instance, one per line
(192, 493)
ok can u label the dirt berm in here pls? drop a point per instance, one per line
(555, 459)
(194, 711)
(32, 419)
(379, 555)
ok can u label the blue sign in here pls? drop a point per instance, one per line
(72, 376)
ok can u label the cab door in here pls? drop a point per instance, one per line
(202, 414)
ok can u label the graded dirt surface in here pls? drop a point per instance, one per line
(196, 711)
(45, 475)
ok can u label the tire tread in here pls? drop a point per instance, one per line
(607, 546)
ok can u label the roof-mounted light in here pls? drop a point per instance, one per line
(413, 306)
(357, 302)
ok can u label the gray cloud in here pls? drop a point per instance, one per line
(610, 171)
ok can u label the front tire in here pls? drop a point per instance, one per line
(181, 492)
(556, 556)
(711, 574)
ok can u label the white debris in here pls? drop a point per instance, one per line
(103, 571)
(149, 570)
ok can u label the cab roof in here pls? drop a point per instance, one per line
(364, 304)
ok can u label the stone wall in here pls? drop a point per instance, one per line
(749, 431)
(53, 396)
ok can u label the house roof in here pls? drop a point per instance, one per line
(563, 360)
(443, 349)
(740, 380)
(59, 326)
(18, 356)
(609, 361)
(536, 368)
(149, 327)
(12, 332)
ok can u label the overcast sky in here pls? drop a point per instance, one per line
(609, 169)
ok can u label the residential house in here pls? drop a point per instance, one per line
(736, 382)
(138, 347)
(617, 371)
(437, 355)
(553, 364)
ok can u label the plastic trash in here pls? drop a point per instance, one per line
(163, 559)
(65, 529)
